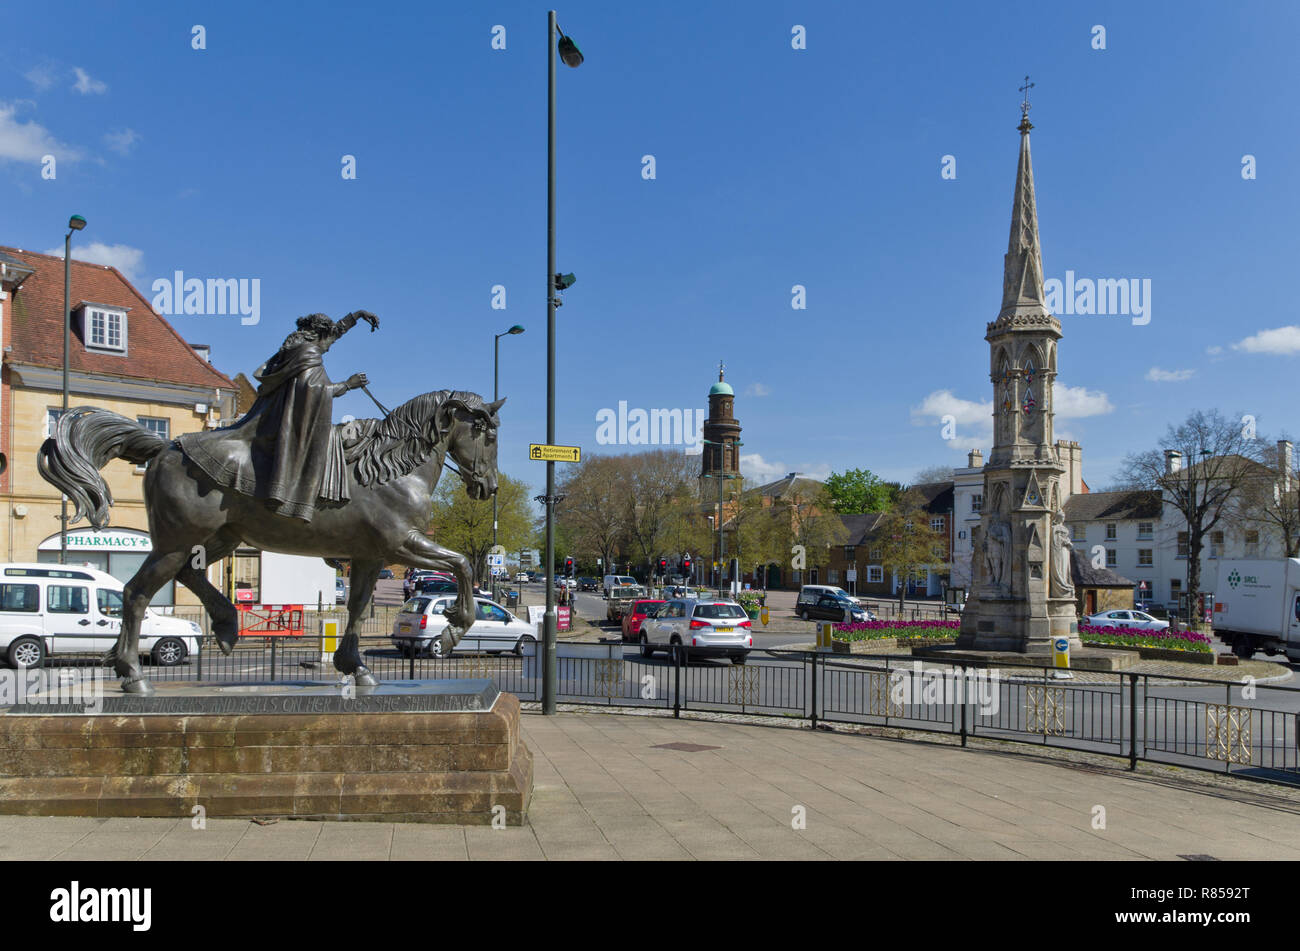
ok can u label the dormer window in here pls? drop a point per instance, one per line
(104, 328)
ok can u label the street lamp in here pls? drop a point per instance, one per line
(496, 374)
(572, 56)
(75, 223)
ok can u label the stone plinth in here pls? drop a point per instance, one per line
(393, 755)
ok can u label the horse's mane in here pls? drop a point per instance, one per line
(392, 447)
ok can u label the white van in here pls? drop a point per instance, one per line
(65, 609)
(611, 582)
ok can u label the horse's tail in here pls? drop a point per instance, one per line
(85, 440)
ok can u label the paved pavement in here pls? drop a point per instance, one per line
(603, 790)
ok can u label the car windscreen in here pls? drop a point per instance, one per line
(644, 607)
(718, 611)
(436, 587)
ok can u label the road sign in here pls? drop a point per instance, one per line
(496, 559)
(545, 453)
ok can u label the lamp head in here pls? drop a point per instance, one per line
(569, 52)
(76, 222)
(516, 329)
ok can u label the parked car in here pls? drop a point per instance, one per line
(830, 608)
(413, 580)
(61, 609)
(633, 619)
(810, 594)
(522, 578)
(420, 624)
(385, 574)
(436, 586)
(532, 576)
(681, 591)
(1138, 619)
(708, 628)
(340, 591)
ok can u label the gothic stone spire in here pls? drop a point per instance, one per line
(1022, 274)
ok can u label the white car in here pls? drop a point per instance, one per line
(1127, 619)
(421, 622)
(521, 578)
(708, 628)
(63, 609)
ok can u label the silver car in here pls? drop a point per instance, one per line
(707, 627)
(1127, 619)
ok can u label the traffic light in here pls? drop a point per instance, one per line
(568, 566)
(686, 564)
(663, 566)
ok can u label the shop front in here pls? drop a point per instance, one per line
(118, 551)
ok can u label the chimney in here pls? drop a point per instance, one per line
(1285, 463)
(975, 459)
(1173, 461)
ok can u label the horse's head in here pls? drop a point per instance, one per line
(471, 439)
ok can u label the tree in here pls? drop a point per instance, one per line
(932, 474)
(465, 525)
(656, 485)
(812, 522)
(1271, 501)
(907, 543)
(1217, 457)
(758, 533)
(593, 512)
(859, 491)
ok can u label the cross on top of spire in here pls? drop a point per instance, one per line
(721, 366)
(1024, 104)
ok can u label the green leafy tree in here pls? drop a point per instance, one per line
(465, 525)
(907, 543)
(859, 491)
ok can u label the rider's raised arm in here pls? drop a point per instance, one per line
(345, 324)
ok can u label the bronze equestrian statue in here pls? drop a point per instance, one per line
(284, 478)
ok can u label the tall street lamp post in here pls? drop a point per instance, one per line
(569, 52)
(496, 376)
(75, 223)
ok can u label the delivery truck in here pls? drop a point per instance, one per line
(1257, 606)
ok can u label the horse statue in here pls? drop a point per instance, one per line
(392, 466)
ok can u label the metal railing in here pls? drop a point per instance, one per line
(1245, 728)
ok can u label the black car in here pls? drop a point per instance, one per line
(436, 586)
(588, 584)
(828, 608)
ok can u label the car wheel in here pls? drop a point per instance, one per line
(646, 651)
(436, 650)
(168, 652)
(1243, 648)
(526, 639)
(739, 658)
(27, 652)
(803, 614)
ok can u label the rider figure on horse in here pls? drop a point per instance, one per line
(285, 450)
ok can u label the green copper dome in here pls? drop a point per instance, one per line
(721, 389)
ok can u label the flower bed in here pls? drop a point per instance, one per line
(903, 630)
(1138, 637)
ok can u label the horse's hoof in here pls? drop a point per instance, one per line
(140, 687)
(365, 678)
(226, 640)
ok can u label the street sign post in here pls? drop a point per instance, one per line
(541, 452)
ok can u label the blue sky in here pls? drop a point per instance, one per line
(773, 167)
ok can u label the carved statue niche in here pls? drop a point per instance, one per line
(997, 550)
(1062, 582)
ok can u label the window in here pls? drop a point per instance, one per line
(67, 599)
(110, 602)
(1175, 588)
(105, 329)
(1182, 544)
(159, 427)
(1252, 544)
(1111, 558)
(1078, 532)
(1216, 544)
(1111, 531)
(20, 597)
(850, 554)
(875, 553)
(1145, 529)
(51, 421)
(938, 553)
(976, 502)
(936, 524)
(1144, 556)
(875, 574)
(834, 576)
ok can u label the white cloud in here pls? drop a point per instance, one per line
(41, 77)
(121, 142)
(942, 403)
(29, 141)
(754, 466)
(1076, 402)
(758, 389)
(1214, 351)
(125, 258)
(1157, 375)
(86, 85)
(1280, 340)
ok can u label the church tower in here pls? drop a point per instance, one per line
(721, 431)
(1022, 595)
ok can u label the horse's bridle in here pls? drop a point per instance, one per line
(475, 470)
